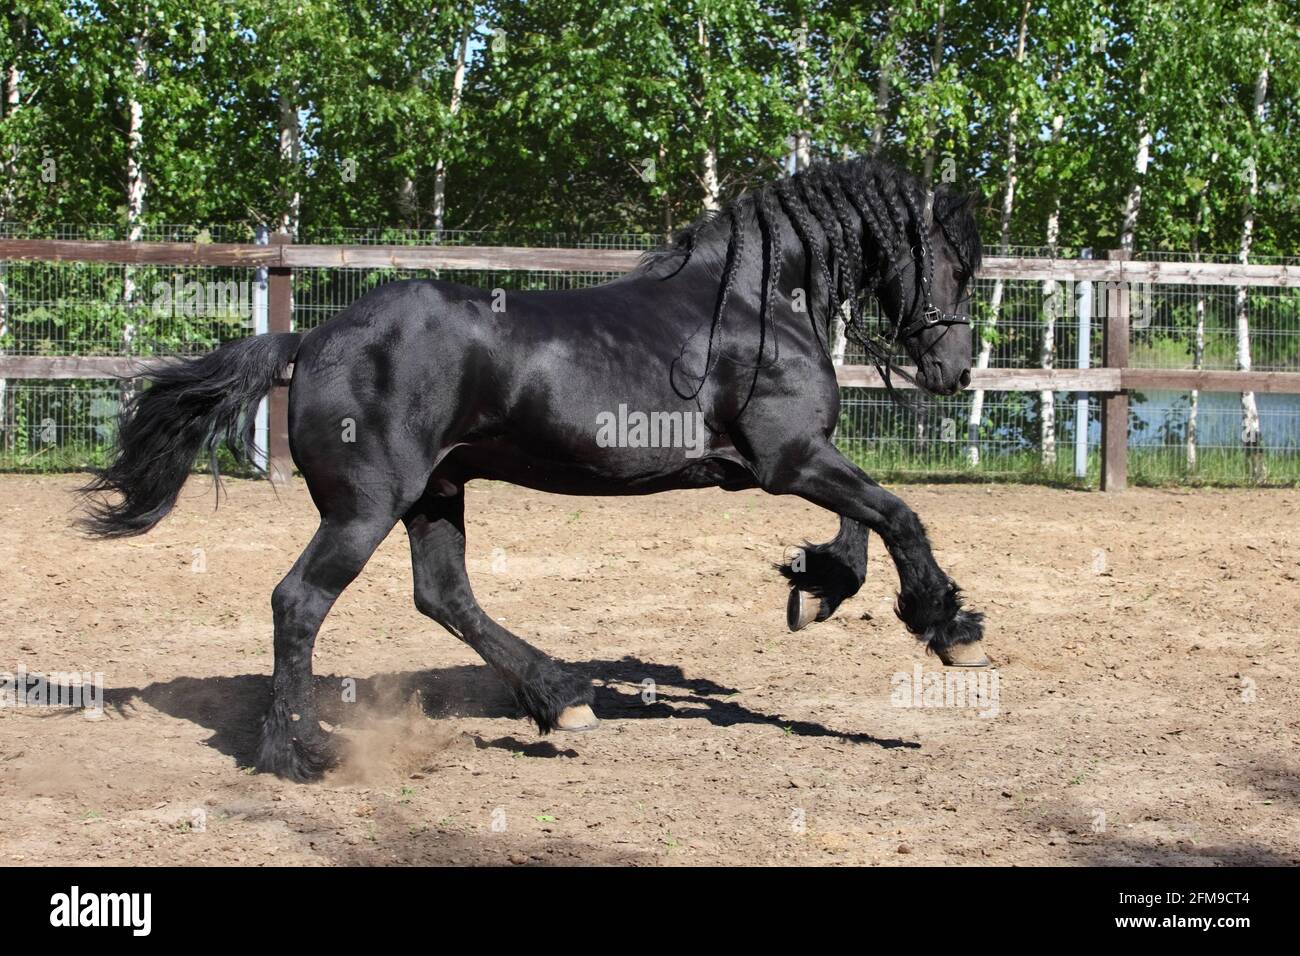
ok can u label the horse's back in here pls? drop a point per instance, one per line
(542, 379)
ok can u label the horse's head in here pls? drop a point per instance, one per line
(929, 308)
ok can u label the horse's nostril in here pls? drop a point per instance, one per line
(964, 379)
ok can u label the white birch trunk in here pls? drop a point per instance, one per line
(709, 161)
(802, 138)
(1251, 436)
(668, 202)
(982, 361)
(136, 188)
(1133, 202)
(839, 336)
(1198, 359)
(936, 62)
(290, 156)
(1198, 334)
(995, 302)
(12, 99)
(709, 176)
(453, 109)
(1053, 296)
(882, 85)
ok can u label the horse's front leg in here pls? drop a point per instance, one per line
(929, 602)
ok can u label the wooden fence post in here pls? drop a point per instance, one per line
(1114, 405)
(279, 319)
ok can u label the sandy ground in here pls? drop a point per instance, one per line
(1145, 710)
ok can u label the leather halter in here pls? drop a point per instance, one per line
(880, 349)
(931, 316)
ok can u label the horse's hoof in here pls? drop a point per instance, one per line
(963, 655)
(581, 717)
(297, 760)
(801, 610)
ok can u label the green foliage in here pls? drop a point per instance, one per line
(545, 120)
(579, 115)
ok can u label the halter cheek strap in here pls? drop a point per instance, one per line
(930, 316)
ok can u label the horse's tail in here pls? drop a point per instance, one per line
(191, 406)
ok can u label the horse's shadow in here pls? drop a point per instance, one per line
(626, 689)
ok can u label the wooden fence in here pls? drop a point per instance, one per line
(1112, 382)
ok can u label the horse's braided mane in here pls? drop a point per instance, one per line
(823, 199)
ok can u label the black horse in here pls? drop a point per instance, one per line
(707, 365)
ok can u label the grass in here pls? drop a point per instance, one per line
(1217, 467)
(891, 462)
(55, 459)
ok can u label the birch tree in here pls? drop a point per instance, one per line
(1146, 83)
(931, 96)
(9, 146)
(1198, 338)
(1251, 436)
(453, 113)
(1142, 158)
(136, 185)
(988, 327)
(1072, 64)
(936, 63)
(1053, 300)
(302, 62)
(709, 153)
(801, 141)
(886, 60)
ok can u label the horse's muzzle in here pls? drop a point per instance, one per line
(939, 380)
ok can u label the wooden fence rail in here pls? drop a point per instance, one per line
(1112, 382)
(541, 259)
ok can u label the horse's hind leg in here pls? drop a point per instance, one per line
(551, 695)
(293, 745)
(822, 576)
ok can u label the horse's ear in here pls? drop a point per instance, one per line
(954, 211)
(949, 203)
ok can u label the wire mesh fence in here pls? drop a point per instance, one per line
(939, 440)
(481, 237)
(88, 308)
(57, 425)
(320, 294)
(1197, 327)
(94, 309)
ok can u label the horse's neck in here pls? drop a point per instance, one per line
(800, 276)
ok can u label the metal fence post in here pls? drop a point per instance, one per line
(279, 319)
(1114, 405)
(260, 423)
(1084, 309)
